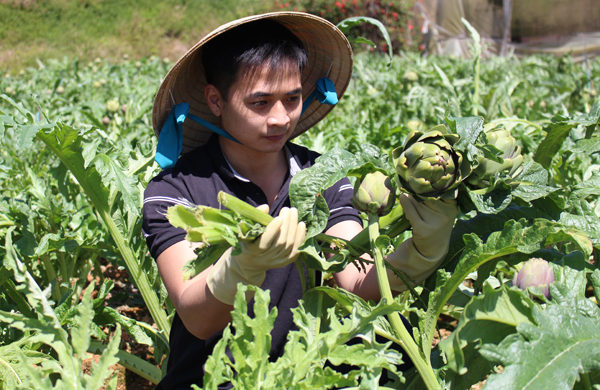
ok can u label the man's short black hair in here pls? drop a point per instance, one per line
(249, 47)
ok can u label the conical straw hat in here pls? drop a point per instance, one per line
(329, 55)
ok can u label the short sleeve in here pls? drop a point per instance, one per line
(158, 231)
(340, 207)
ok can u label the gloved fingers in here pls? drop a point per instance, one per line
(282, 240)
(429, 213)
(264, 208)
(292, 227)
(269, 237)
(409, 205)
(288, 235)
(289, 252)
(299, 238)
(443, 208)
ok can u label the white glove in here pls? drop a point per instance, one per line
(275, 248)
(420, 255)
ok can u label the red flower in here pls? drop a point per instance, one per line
(410, 26)
(338, 4)
(295, 8)
(421, 47)
(287, 4)
(395, 15)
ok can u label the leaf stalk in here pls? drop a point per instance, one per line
(406, 341)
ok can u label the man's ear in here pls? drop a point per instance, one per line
(213, 99)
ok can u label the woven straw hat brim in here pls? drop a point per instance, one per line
(329, 54)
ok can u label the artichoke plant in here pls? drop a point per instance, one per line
(535, 272)
(511, 154)
(112, 106)
(410, 76)
(428, 166)
(374, 194)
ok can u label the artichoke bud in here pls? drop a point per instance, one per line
(427, 165)
(415, 125)
(535, 272)
(374, 194)
(410, 76)
(112, 106)
(511, 156)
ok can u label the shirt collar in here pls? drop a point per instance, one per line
(225, 168)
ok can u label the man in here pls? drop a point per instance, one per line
(246, 81)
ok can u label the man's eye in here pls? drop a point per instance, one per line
(259, 103)
(294, 99)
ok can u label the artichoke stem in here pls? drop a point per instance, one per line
(406, 341)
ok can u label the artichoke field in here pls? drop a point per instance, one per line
(521, 159)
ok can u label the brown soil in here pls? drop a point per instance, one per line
(127, 300)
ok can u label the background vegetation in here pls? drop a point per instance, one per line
(77, 151)
(110, 29)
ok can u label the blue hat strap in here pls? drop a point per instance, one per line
(324, 92)
(170, 140)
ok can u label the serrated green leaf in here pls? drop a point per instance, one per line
(470, 130)
(349, 302)
(584, 189)
(487, 203)
(28, 287)
(556, 133)
(80, 335)
(587, 146)
(487, 318)
(307, 186)
(113, 175)
(583, 218)
(516, 237)
(301, 366)
(483, 225)
(101, 371)
(550, 355)
(90, 149)
(65, 143)
(12, 372)
(595, 278)
(217, 367)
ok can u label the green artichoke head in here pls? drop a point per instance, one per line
(428, 166)
(374, 194)
(415, 125)
(112, 106)
(410, 76)
(511, 154)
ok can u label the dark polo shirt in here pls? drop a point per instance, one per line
(198, 177)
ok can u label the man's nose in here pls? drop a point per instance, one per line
(279, 115)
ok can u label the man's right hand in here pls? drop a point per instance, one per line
(275, 248)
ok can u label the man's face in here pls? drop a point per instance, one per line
(263, 109)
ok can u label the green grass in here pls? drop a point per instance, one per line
(110, 29)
